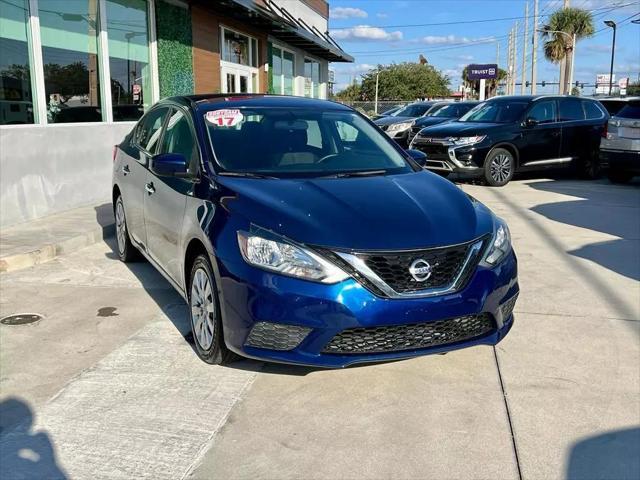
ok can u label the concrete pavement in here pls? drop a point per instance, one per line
(107, 386)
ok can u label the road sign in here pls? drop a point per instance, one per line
(482, 72)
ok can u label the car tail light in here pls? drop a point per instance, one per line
(605, 130)
(115, 153)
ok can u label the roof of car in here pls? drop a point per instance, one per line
(531, 98)
(234, 100)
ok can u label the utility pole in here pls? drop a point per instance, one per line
(515, 58)
(534, 53)
(524, 48)
(509, 64)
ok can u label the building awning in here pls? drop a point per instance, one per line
(282, 25)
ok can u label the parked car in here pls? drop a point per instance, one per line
(440, 113)
(297, 232)
(389, 112)
(615, 104)
(398, 125)
(620, 147)
(518, 133)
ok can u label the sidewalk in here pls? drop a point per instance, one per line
(41, 240)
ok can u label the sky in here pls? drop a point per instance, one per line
(452, 46)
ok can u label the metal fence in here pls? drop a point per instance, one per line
(368, 107)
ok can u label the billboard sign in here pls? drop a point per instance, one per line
(480, 72)
(602, 83)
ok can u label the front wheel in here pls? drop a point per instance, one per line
(499, 167)
(206, 321)
(126, 251)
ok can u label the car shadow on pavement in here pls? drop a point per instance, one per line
(615, 454)
(601, 207)
(25, 453)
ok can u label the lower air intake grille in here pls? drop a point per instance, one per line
(410, 337)
(276, 336)
(508, 306)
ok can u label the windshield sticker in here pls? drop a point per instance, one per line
(224, 118)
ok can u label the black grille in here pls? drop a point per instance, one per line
(433, 150)
(393, 267)
(276, 336)
(410, 337)
(415, 129)
(508, 306)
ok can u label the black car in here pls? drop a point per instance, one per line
(398, 125)
(517, 133)
(440, 113)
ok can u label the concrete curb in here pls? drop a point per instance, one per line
(50, 251)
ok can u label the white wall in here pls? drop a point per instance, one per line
(52, 168)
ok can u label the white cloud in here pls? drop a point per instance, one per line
(347, 12)
(352, 68)
(365, 33)
(598, 48)
(382, 15)
(450, 40)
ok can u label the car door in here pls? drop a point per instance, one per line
(575, 129)
(541, 135)
(166, 196)
(133, 169)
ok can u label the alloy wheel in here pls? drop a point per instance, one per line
(202, 309)
(501, 167)
(121, 227)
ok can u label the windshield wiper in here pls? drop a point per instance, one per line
(364, 173)
(245, 175)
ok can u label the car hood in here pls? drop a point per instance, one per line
(461, 129)
(429, 121)
(392, 212)
(390, 120)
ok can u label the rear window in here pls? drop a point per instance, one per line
(591, 110)
(631, 110)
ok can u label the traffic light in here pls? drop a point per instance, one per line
(527, 83)
(544, 84)
(577, 83)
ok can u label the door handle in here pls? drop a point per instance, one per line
(125, 170)
(555, 134)
(150, 188)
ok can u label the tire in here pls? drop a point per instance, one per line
(126, 251)
(619, 176)
(499, 167)
(204, 312)
(590, 168)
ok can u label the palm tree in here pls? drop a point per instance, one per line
(571, 21)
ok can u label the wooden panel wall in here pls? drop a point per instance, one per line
(206, 50)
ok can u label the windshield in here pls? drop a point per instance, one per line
(495, 112)
(447, 111)
(631, 110)
(414, 110)
(299, 142)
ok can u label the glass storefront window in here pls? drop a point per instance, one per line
(238, 48)
(127, 31)
(283, 71)
(16, 95)
(68, 31)
(311, 78)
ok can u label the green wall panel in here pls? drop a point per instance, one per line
(175, 61)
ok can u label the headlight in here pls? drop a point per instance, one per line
(396, 127)
(500, 244)
(283, 257)
(458, 141)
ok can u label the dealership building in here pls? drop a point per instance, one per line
(75, 76)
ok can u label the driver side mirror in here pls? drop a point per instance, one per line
(418, 157)
(530, 122)
(169, 165)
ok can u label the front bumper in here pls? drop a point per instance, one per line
(252, 298)
(625, 160)
(445, 157)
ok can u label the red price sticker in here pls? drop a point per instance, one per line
(225, 117)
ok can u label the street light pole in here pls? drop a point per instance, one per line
(612, 24)
(375, 107)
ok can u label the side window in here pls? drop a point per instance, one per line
(347, 132)
(571, 109)
(543, 112)
(178, 138)
(314, 135)
(592, 110)
(150, 128)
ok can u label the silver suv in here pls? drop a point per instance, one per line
(620, 147)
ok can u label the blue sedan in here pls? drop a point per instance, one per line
(298, 232)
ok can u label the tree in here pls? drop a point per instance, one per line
(558, 47)
(401, 81)
(633, 89)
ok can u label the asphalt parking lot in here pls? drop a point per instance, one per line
(107, 384)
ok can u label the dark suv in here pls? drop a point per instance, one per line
(518, 133)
